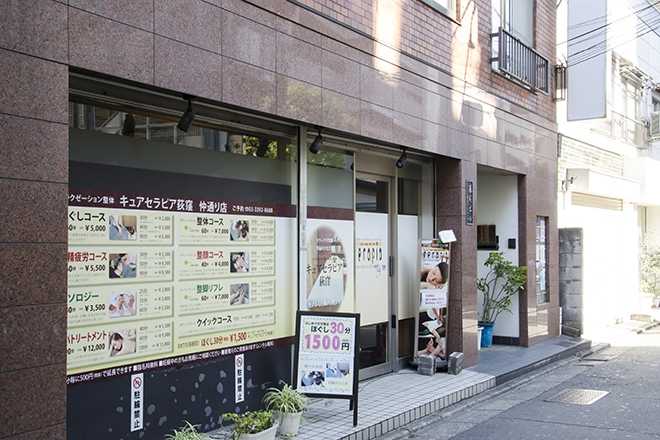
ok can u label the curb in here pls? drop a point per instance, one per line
(647, 326)
(577, 349)
(580, 350)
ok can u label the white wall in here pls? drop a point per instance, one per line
(497, 203)
(644, 51)
(652, 221)
(610, 262)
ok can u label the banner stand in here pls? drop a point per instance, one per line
(326, 360)
(432, 299)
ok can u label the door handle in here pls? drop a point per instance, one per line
(391, 268)
(393, 322)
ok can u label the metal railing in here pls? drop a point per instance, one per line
(622, 128)
(519, 62)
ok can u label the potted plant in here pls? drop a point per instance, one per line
(186, 432)
(287, 405)
(253, 425)
(501, 283)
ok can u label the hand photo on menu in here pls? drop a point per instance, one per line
(240, 262)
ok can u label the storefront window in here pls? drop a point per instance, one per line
(180, 243)
(542, 291)
(329, 232)
(415, 203)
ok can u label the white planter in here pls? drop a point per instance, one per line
(289, 423)
(268, 434)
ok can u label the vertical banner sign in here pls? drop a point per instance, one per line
(329, 265)
(326, 359)
(432, 300)
(239, 363)
(469, 202)
(137, 400)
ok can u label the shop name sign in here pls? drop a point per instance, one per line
(469, 202)
(326, 359)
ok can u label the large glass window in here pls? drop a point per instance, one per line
(180, 242)
(329, 232)
(542, 290)
(518, 19)
(415, 206)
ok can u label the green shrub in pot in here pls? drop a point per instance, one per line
(186, 432)
(503, 281)
(287, 405)
(252, 425)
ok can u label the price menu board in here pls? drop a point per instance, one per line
(326, 353)
(156, 277)
(326, 359)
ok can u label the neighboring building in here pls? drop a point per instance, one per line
(609, 164)
(175, 249)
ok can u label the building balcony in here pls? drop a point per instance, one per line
(518, 62)
(622, 128)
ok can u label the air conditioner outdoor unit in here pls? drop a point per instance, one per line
(654, 127)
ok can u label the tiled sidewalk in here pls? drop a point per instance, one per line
(391, 401)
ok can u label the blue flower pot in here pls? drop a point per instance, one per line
(486, 334)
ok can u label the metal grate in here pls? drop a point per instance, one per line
(578, 396)
(520, 62)
(601, 357)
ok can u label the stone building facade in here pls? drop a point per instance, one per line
(400, 74)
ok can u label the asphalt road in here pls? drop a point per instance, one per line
(519, 410)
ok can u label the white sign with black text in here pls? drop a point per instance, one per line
(239, 374)
(137, 402)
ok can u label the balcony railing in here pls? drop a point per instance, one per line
(622, 128)
(519, 62)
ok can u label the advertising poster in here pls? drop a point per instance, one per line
(434, 258)
(329, 266)
(151, 278)
(326, 353)
(372, 278)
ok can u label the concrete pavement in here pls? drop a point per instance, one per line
(519, 409)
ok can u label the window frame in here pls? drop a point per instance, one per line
(542, 295)
(504, 7)
(450, 12)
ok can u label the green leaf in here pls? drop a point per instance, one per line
(501, 283)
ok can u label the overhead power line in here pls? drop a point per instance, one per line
(602, 17)
(651, 28)
(606, 25)
(638, 31)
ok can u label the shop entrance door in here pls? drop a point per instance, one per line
(373, 276)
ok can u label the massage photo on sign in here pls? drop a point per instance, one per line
(240, 262)
(326, 270)
(122, 227)
(121, 305)
(239, 294)
(318, 375)
(123, 342)
(122, 266)
(239, 231)
(432, 320)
